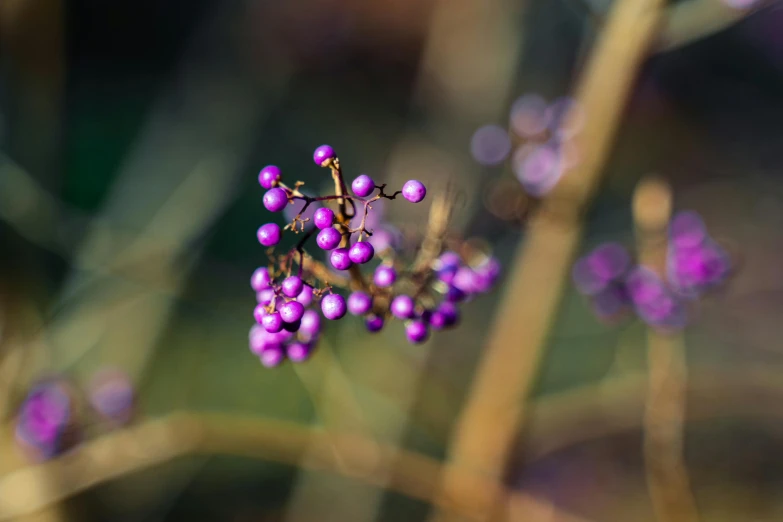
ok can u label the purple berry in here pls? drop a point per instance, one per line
(298, 352)
(437, 320)
(269, 176)
(609, 261)
(450, 314)
(292, 328)
(265, 296)
(402, 307)
(374, 323)
(323, 155)
(269, 234)
(259, 312)
(417, 331)
(361, 252)
(275, 199)
(323, 218)
(306, 295)
(384, 276)
(112, 395)
(292, 286)
(260, 279)
(466, 280)
(359, 303)
(414, 191)
(292, 311)
(45, 418)
(340, 259)
(311, 324)
(333, 306)
(454, 294)
(328, 238)
(272, 355)
(363, 186)
(687, 230)
(273, 323)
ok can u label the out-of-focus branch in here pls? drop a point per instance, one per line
(485, 430)
(158, 441)
(690, 21)
(667, 476)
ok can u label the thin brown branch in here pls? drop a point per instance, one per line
(158, 441)
(485, 431)
(664, 416)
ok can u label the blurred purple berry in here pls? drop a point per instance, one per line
(333, 306)
(292, 286)
(540, 171)
(417, 331)
(374, 323)
(529, 116)
(359, 303)
(272, 323)
(269, 176)
(361, 252)
(610, 302)
(311, 324)
(402, 307)
(269, 234)
(340, 259)
(687, 230)
(384, 276)
(275, 199)
(44, 421)
(298, 352)
(272, 355)
(306, 295)
(260, 279)
(454, 294)
(292, 311)
(323, 155)
(259, 312)
(449, 312)
(384, 238)
(323, 218)
(328, 238)
(112, 395)
(609, 261)
(490, 145)
(414, 191)
(363, 186)
(265, 296)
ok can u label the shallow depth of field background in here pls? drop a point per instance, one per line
(131, 135)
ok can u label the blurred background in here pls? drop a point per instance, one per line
(131, 136)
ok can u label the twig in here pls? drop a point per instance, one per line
(667, 476)
(158, 441)
(485, 431)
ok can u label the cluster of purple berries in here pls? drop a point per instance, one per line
(695, 264)
(547, 149)
(50, 418)
(287, 322)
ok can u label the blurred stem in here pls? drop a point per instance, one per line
(485, 430)
(667, 476)
(692, 20)
(158, 441)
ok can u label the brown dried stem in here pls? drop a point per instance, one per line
(667, 476)
(485, 431)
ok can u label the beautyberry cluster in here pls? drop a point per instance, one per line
(50, 420)
(694, 265)
(362, 255)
